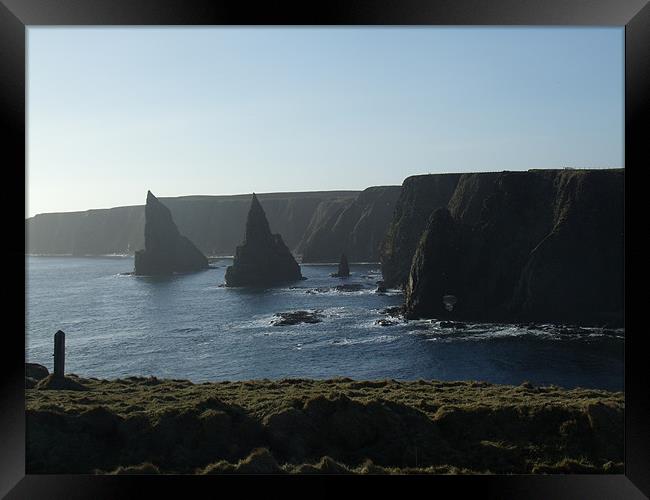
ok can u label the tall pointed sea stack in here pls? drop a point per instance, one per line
(263, 259)
(166, 251)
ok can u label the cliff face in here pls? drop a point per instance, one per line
(166, 250)
(214, 223)
(94, 232)
(525, 246)
(420, 195)
(320, 225)
(356, 229)
(263, 258)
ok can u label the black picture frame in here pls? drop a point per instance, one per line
(17, 15)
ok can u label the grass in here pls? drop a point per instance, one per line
(147, 425)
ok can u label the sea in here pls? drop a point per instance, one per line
(192, 327)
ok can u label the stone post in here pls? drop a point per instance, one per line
(59, 354)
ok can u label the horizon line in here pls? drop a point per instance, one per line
(316, 190)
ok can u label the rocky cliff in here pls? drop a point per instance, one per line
(214, 223)
(419, 196)
(320, 225)
(356, 229)
(166, 251)
(543, 245)
(263, 258)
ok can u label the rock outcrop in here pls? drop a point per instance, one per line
(297, 317)
(344, 268)
(263, 259)
(544, 245)
(33, 373)
(356, 229)
(166, 250)
(36, 371)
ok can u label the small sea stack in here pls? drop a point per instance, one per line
(262, 259)
(344, 268)
(166, 251)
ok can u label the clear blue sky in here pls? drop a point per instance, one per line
(113, 112)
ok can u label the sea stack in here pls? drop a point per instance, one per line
(262, 259)
(344, 268)
(166, 251)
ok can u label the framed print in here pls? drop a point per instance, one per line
(355, 240)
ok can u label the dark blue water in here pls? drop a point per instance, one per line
(189, 327)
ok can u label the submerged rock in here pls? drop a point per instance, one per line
(393, 311)
(344, 268)
(166, 251)
(385, 322)
(451, 324)
(263, 259)
(296, 317)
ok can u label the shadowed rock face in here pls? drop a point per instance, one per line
(356, 229)
(420, 195)
(525, 246)
(263, 259)
(436, 265)
(166, 250)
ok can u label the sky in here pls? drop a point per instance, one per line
(114, 112)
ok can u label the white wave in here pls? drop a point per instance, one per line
(485, 332)
(379, 339)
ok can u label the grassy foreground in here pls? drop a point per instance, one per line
(148, 425)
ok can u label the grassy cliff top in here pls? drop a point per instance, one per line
(153, 396)
(151, 425)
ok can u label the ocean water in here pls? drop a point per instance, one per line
(189, 327)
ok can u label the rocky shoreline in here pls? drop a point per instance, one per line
(149, 425)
